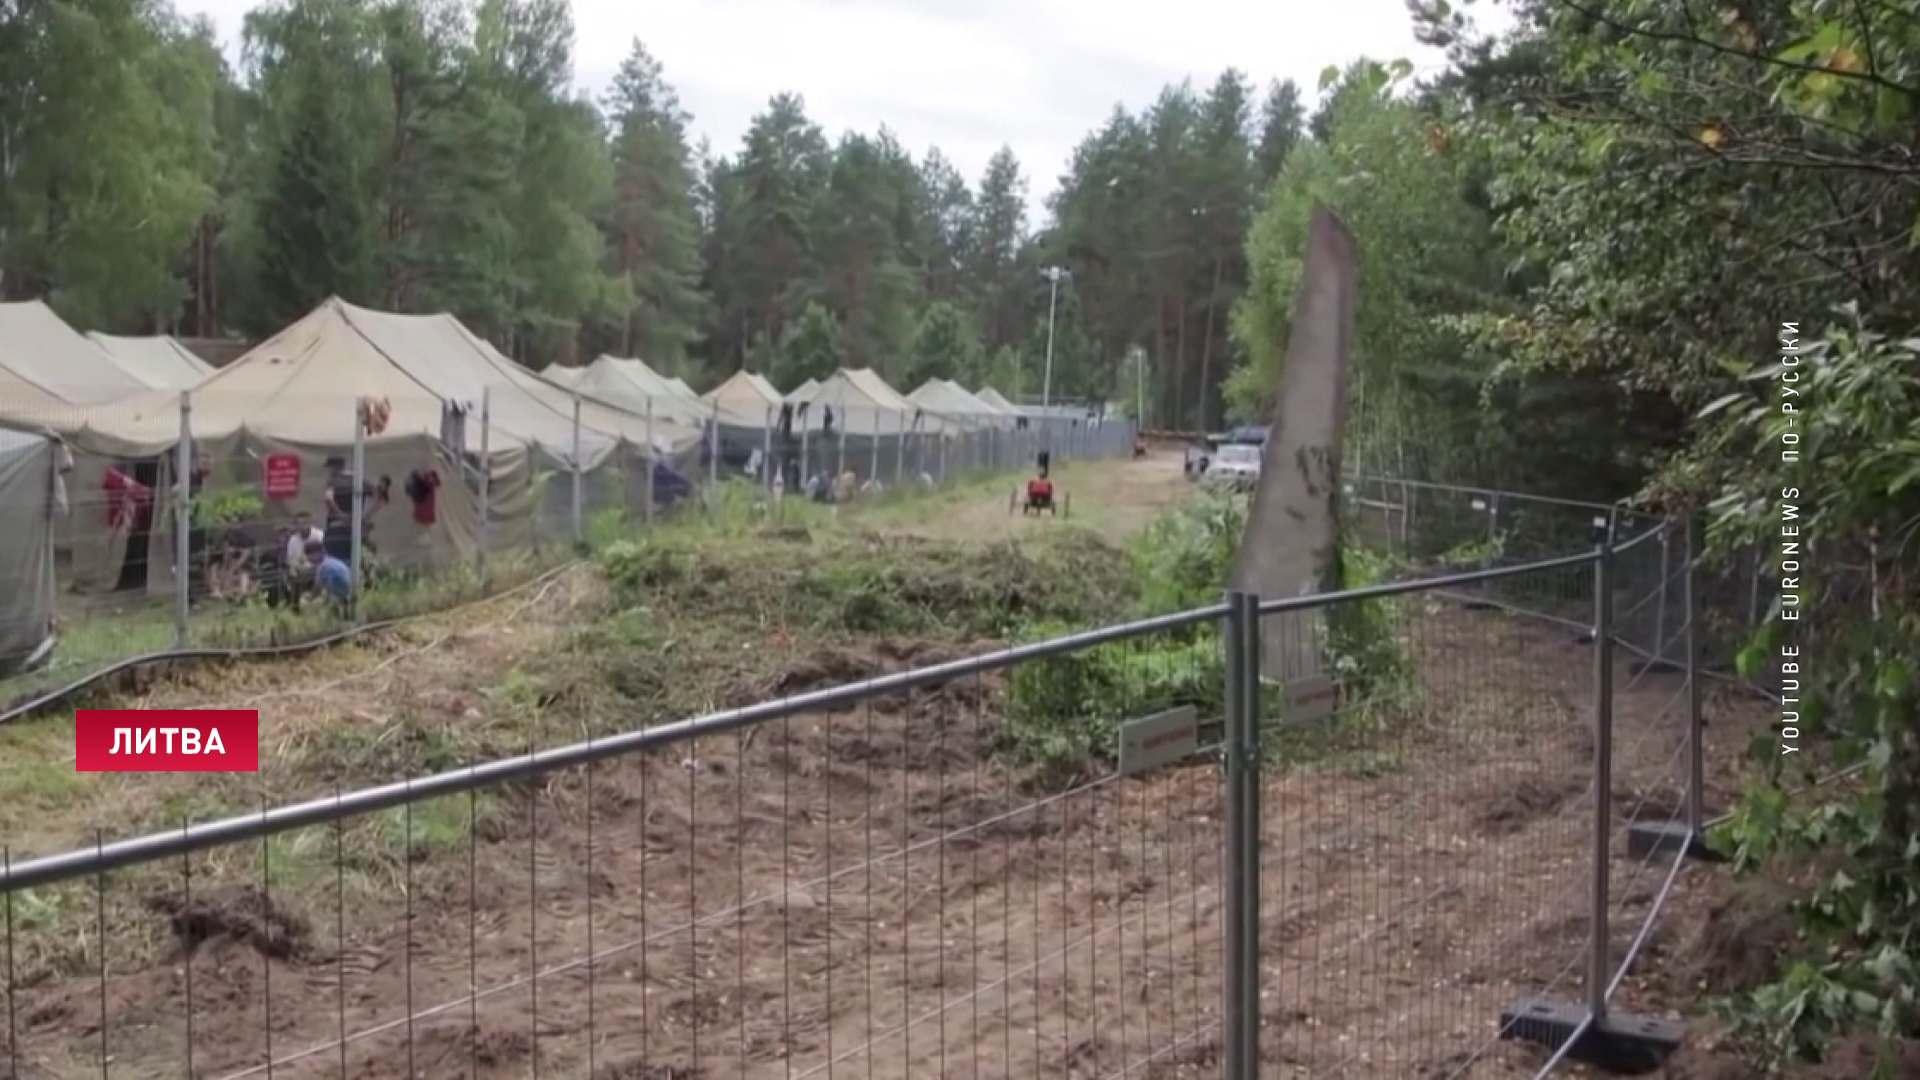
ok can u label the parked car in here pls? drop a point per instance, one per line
(1235, 466)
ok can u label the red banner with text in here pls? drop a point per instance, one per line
(166, 740)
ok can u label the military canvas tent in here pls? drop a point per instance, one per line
(160, 362)
(805, 391)
(952, 403)
(994, 398)
(854, 421)
(29, 468)
(680, 387)
(863, 404)
(297, 394)
(746, 394)
(48, 367)
(561, 376)
(635, 388)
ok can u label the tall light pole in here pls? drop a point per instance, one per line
(1054, 275)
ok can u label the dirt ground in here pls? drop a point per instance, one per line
(872, 893)
(1116, 499)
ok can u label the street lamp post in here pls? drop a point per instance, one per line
(1054, 275)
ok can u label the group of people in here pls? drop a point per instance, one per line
(303, 558)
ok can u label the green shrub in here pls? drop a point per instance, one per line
(1183, 559)
(1363, 648)
(1064, 713)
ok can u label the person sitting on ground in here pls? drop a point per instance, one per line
(330, 575)
(818, 488)
(844, 487)
(230, 567)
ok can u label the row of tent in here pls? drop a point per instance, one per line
(447, 403)
(855, 402)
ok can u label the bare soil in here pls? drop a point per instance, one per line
(873, 893)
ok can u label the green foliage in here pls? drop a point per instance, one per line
(434, 155)
(1425, 253)
(1856, 406)
(1363, 649)
(1063, 713)
(230, 507)
(866, 587)
(944, 346)
(812, 350)
(1182, 559)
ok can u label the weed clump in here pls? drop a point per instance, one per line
(1064, 712)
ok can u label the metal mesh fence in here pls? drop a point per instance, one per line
(176, 526)
(1007, 866)
(1426, 830)
(907, 877)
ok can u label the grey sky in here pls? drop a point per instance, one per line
(963, 75)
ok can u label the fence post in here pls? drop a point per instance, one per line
(1689, 836)
(486, 478)
(1660, 597)
(1696, 720)
(768, 468)
(652, 462)
(183, 526)
(907, 429)
(579, 479)
(713, 461)
(356, 551)
(1600, 949)
(1240, 1007)
(1587, 1032)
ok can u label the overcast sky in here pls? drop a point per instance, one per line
(964, 75)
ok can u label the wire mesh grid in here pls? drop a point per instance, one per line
(867, 844)
(1426, 832)
(897, 882)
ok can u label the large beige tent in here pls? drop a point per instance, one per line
(48, 367)
(959, 409)
(994, 398)
(160, 362)
(746, 394)
(561, 376)
(634, 387)
(298, 394)
(864, 405)
(804, 392)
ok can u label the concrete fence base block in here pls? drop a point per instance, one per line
(1621, 1044)
(1648, 838)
